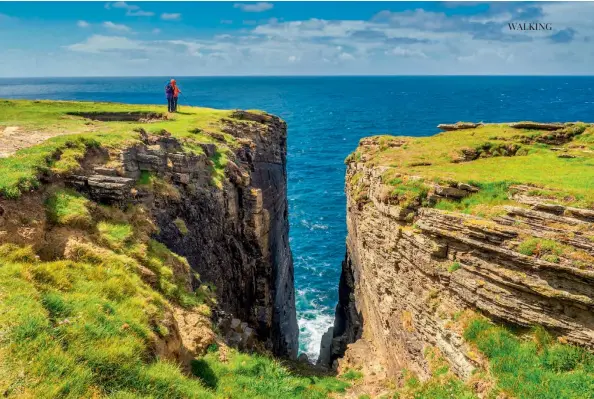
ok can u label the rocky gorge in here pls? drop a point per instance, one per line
(147, 255)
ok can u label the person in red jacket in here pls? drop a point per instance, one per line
(172, 93)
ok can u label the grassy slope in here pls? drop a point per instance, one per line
(20, 171)
(536, 163)
(84, 326)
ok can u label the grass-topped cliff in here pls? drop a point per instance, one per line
(53, 136)
(558, 164)
(475, 249)
(93, 303)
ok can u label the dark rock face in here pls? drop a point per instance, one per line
(237, 230)
(348, 322)
(238, 236)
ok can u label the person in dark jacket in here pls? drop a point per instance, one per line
(172, 93)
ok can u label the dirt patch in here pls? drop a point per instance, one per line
(13, 138)
(144, 117)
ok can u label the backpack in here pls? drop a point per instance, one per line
(169, 90)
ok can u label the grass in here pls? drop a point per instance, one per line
(483, 203)
(454, 266)
(352, 375)
(86, 325)
(72, 329)
(256, 376)
(536, 366)
(442, 384)
(181, 226)
(115, 235)
(431, 159)
(74, 135)
(68, 208)
(542, 248)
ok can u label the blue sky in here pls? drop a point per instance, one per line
(292, 38)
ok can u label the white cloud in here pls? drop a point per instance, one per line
(139, 13)
(422, 42)
(116, 27)
(156, 31)
(100, 43)
(345, 56)
(83, 24)
(226, 21)
(171, 16)
(132, 10)
(257, 7)
(406, 52)
(123, 4)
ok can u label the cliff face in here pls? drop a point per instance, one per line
(224, 210)
(237, 236)
(416, 260)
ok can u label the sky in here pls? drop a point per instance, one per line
(41, 39)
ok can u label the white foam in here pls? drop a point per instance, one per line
(311, 331)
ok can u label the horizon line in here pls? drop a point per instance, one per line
(290, 76)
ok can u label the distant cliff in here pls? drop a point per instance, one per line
(480, 223)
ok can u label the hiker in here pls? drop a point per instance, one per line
(172, 92)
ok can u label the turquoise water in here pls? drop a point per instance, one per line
(327, 116)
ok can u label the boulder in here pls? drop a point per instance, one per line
(450, 192)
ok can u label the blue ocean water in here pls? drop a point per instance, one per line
(326, 117)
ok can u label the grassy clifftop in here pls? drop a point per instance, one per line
(91, 305)
(556, 162)
(38, 137)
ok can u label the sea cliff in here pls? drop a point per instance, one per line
(459, 242)
(141, 251)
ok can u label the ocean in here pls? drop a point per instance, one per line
(326, 117)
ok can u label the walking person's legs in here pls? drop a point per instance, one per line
(170, 104)
(174, 104)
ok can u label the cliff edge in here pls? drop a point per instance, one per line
(141, 251)
(470, 262)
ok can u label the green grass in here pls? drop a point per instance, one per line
(431, 159)
(68, 208)
(549, 250)
(181, 226)
(115, 235)
(480, 203)
(86, 326)
(76, 134)
(73, 329)
(442, 384)
(534, 367)
(454, 266)
(352, 375)
(255, 376)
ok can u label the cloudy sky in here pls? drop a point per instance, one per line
(293, 38)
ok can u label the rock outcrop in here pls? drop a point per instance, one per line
(411, 269)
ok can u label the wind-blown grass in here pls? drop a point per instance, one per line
(536, 367)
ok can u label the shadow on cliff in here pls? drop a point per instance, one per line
(202, 370)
